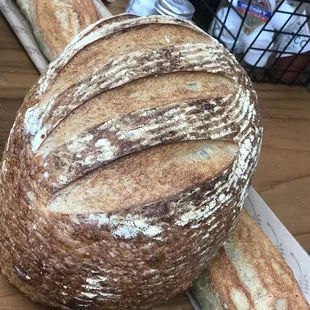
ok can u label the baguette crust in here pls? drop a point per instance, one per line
(55, 23)
(248, 273)
(131, 256)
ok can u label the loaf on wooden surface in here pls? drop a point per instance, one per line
(56, 22)
(248, 273)
(127, 165)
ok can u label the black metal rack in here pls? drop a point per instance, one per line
(293, 69)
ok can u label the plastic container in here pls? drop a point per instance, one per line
(255, 57)
(233, 23)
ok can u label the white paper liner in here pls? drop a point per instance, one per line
(101, 9)
(294, 255)
(24, 33)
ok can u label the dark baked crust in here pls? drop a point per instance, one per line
(128, 258)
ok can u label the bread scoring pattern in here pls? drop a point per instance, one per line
(143, 253)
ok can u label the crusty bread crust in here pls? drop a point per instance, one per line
(55, 23)
(248, 273)
(113, 253)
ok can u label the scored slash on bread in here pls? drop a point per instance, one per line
(126, 170)
(146, 177)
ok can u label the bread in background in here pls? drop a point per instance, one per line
(248, 273)
(56, 22)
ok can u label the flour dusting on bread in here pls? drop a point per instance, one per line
(126, 171)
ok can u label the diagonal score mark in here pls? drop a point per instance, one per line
(41, 119)
(155, 174)
(139, 130)
(104, 29)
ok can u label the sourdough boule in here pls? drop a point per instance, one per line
(127, 165)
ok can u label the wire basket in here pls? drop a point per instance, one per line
(270, 39)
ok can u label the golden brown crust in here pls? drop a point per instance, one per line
(248, 273)
(136, 96)
(56, 23)
(113, 45)
(151, 175)
(146, 251)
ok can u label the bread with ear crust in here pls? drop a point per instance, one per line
(248, 273)
(127, 165)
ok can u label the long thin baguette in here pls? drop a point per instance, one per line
(248, 273)
(55, 23)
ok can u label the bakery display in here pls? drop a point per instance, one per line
(248, 273)
(127, 165)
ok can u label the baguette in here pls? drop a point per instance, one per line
(248, 273)
(127, 165)
(55, 23)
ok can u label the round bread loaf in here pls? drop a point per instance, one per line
(127, 165)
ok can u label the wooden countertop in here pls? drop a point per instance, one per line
(282, 177)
